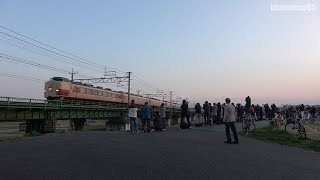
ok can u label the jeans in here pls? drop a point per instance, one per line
(197, 118)
(234, 131)
(163, 122)
(302, 115)
(206, 118)
(133, 124)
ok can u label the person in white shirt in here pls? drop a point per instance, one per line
(133, 117)
(162, 113)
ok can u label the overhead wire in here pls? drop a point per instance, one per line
(15, 59)
(66, 55)
(40, 52)
(80, 59)
(22, 77)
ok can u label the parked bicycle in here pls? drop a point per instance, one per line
(248, 125)
(311, 118)
(295, 127)
(280, 119)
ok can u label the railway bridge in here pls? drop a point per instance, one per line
(41, 115)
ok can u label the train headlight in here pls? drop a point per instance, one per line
(57, 90)
(49, 89)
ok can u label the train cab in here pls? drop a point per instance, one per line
(57, 87)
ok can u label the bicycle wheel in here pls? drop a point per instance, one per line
(311, 119)
(243, 123)
(251, 127)
(290, 128)
(245, 130)
(302, 131)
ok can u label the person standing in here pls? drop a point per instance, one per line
(229, 120)
(248, 104)
(206, 111)
(222, 111)
(184, 113)
(197, 114)
(302, 111)
(214, 113)
(133, 117)
(162, 114)
(219, 112)
(146, 115)
(210, 114)
(239, 112)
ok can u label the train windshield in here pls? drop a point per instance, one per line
(59, 79)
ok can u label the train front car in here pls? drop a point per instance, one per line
(57, 88)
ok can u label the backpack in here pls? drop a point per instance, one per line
(251, 109)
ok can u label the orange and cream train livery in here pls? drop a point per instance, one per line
(63, 88)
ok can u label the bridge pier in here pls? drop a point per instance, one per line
(79, 124)
(113, 124)
(46, 125)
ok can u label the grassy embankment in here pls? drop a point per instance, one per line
(278, 135)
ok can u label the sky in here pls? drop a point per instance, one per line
(199, 49)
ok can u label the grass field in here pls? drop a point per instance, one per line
(278, 135)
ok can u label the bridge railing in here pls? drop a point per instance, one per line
(12, 102)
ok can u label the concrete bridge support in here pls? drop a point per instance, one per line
(46, 125)
(116, 124)
(78, 124)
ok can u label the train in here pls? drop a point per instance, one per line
(63, 88)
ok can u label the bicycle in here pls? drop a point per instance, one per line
(280, 120)
(248, 124)
(295, 127)
(311, 118)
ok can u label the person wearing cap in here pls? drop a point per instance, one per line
(229, 120)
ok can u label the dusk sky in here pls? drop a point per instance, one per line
(199, 49)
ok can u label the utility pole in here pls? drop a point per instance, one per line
(72, 74)
(170, 105)
(129, 81)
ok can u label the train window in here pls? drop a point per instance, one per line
(100, 93)
(56, 79)
(89, 91)
(82, 90)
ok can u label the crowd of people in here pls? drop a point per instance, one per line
(213, 113)
(147, 113)
(216, 113)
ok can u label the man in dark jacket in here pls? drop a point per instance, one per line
(184, 113)
(198, 114)
(206, 109)
(248, 104)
